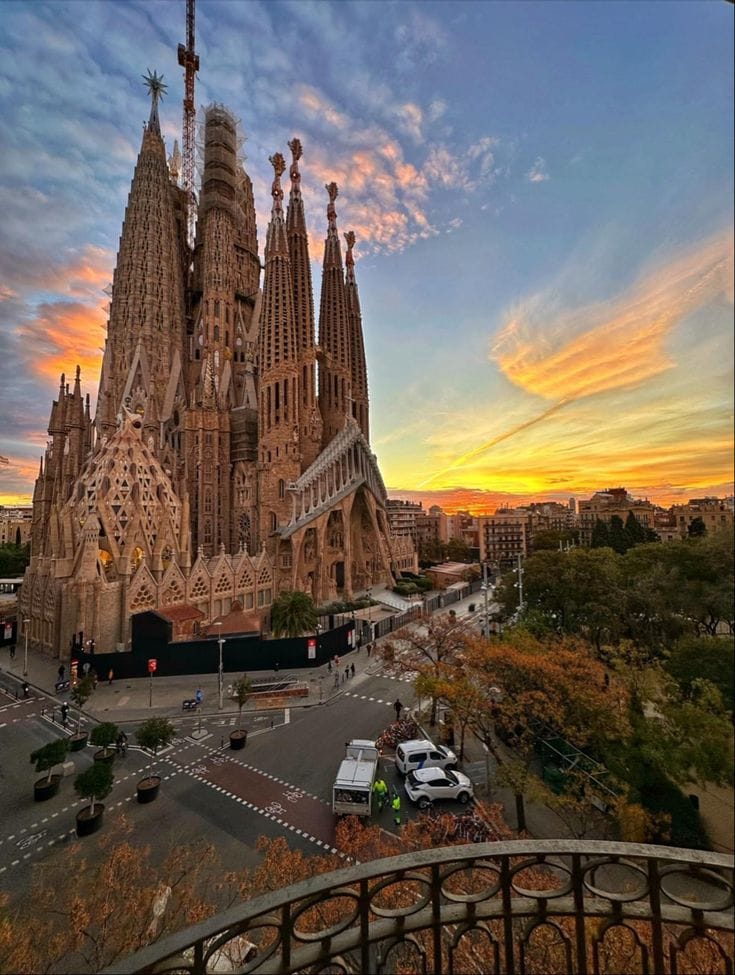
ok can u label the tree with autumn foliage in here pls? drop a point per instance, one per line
(518, 685)
(428, 647)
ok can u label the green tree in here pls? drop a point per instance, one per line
(553, 538)
(293, 613)
(697, 528)
(80, 694)
(704, 658)
(153, 734)
(457, 550)
(103, 736)
(49, 755)
(95, 783)
(617, 535)
(241, 691)
(14, 559)
(634, 530)
(600, 535)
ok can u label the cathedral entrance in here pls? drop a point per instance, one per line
(339, 574)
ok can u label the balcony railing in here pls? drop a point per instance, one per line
(538, 906)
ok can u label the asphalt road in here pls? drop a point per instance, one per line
(280, 784)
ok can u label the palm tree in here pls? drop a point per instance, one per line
(293, 614)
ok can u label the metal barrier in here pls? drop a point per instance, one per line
(566, 906)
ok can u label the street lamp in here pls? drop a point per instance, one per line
(484, 588)
(220, 641)
(25, 652)
(369, 595)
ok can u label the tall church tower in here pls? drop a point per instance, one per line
(224, 289)
(145, 328)
(310, 425)
(279, 406)
(358, 367)
(334, 376)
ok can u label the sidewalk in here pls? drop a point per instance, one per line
(136, 699)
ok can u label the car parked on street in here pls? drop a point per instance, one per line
(421, 753)
(427, 784)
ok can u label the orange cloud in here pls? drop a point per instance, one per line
(605, 347)
(68, 334)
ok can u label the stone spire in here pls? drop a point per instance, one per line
(147, 308)
(303, 312)
(278, 413)
(334, 375)
(358, 367)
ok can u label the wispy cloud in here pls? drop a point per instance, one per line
(537, 173)
(608, 347)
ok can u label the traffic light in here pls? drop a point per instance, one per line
(64, 712)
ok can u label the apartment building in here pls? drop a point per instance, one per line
(716, 514)
(604, 505)
(15, 525)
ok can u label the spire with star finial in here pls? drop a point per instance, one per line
(156, 89)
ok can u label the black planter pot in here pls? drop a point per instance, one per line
(78, 741)
(104, 755)
(89, 821)
(148, 788)
(45, 788)
(238, 739)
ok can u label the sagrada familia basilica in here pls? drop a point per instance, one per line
(229, 457)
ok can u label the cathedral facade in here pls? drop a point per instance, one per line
(229, 457)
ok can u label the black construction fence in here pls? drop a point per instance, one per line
(151, 640)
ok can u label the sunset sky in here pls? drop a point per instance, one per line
(542, 195)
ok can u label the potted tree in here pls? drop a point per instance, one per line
(46, 758)
(80, 693)
(95, 783)
(103, 736)
(241, 691)
(153, 734)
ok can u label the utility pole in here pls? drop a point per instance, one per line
(520, 583)
(189, 60)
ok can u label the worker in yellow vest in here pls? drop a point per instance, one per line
(380, 790)
(396, 804)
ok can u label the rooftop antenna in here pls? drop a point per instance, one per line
(189, 60)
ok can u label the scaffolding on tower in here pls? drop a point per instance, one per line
(189, 60)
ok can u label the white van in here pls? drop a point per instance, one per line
(422, 753)
(352, 793)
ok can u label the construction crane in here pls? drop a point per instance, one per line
(189, 60)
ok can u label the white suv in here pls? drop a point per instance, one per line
(427, 784)
(422, 753)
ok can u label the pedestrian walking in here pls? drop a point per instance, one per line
(396, 804)
(329, 666)
(353, 671)
(12, 651)
(369, 649)
(380, 789)
(110, 675)
(62, 671)
(399, 707)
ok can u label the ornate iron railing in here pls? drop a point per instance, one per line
(522, 906)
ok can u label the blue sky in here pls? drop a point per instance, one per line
(542, 196)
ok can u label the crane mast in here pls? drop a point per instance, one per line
(189, 60)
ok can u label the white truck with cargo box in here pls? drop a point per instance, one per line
(352, 794)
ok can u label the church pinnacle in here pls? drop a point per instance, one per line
(334, 378)
(156, 89)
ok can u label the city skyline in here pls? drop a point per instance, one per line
(542, 198)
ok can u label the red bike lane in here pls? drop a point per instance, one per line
(285, 803)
